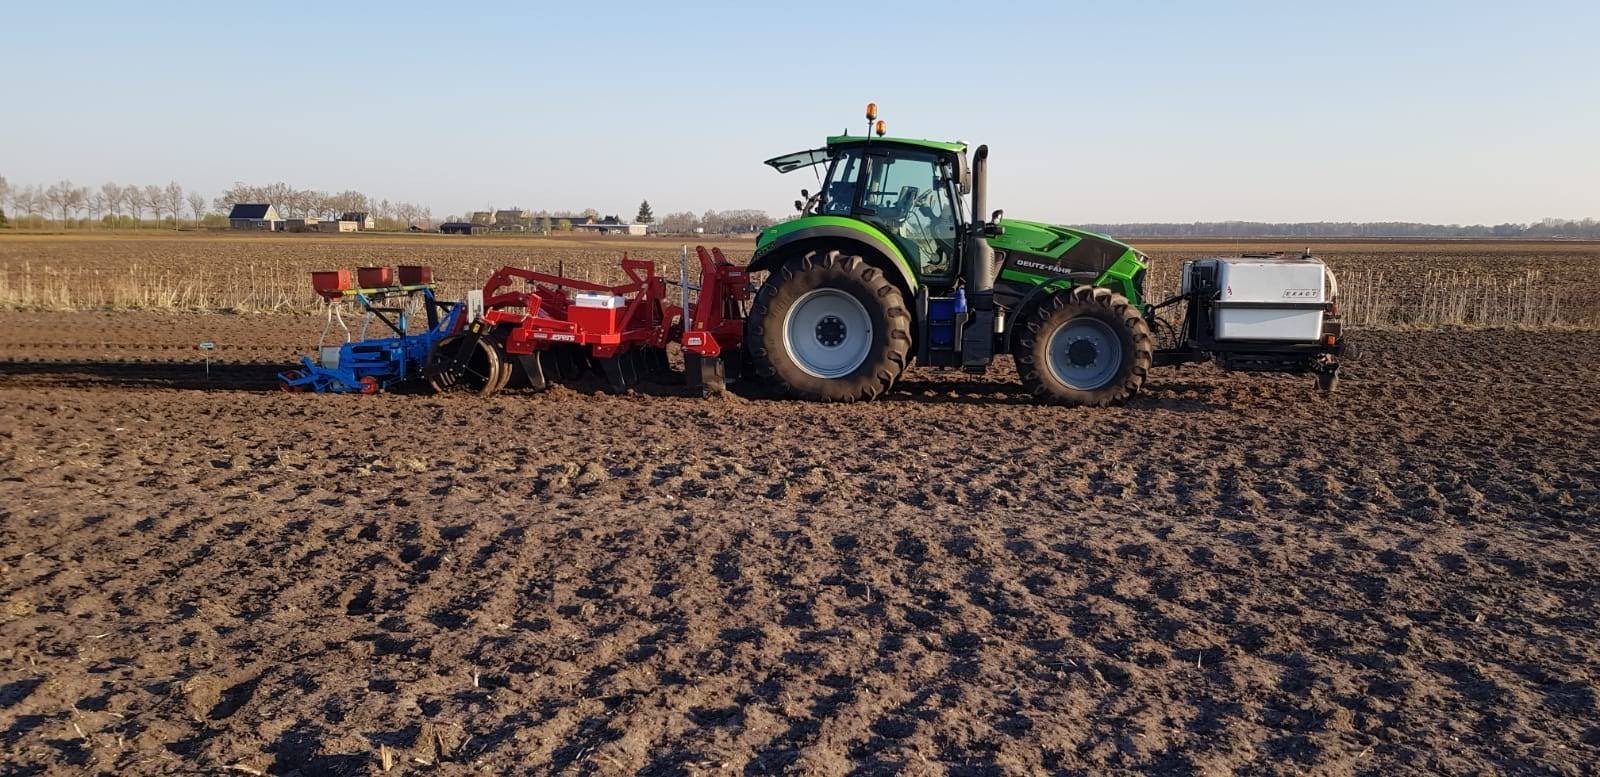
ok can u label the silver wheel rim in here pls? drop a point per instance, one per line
(1085, 354)
(827, 333)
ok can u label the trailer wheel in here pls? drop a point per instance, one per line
(828, 326)
(1086, 346)
(478, 373)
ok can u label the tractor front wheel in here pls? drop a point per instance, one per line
(1085, 346)
(829, 326)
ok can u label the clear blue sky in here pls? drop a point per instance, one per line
(1095, 111)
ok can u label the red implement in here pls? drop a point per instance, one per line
(553, 327)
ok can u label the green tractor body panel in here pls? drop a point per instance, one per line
(1036, 258)
(774, 238)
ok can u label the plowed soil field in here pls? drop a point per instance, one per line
(199, 574)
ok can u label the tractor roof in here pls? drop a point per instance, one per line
(931, 145)
(816, 156)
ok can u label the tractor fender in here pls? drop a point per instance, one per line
(876, 249)
(1018, 315)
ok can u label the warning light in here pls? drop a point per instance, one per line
(879, 128)
(872, 111)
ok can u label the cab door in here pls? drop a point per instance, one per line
(910, 195)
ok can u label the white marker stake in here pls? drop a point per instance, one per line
(207, 347)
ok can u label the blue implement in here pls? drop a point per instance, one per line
(374, 364)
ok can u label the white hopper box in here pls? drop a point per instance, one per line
(1267, 298)
(596, 299)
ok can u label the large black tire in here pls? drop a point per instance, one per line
(887, 347)
(1110, 322)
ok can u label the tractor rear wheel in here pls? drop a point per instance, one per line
(1085, 346)
(828, 326)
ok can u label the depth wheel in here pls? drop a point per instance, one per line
(479, 372)
(828, 326)
(1086, 346)
(286, 387)
(506, 370)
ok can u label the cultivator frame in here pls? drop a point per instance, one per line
(557, 328)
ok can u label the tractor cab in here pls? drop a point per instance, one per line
(913, 191)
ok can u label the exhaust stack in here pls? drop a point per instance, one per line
(977, 341)
(980, 257)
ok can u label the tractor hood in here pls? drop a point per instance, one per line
(1032, 237)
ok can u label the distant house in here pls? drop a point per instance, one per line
(482, 218)
(341, 225)
(255, 215)
(511, 220)
(463, 228)
(364, 220)
(611, 225)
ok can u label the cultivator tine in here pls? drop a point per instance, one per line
(617, 373)
(531, 369)
(657, 361)
(704, 373)
(550, 365)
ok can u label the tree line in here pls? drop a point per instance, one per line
(1546, 228)
(66, 204)
(718, 222)
(111, 205)
(293, 203)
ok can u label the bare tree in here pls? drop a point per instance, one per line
(5, 194)
(113, 197)
(60, 199)
(197, 204)
(80, 201)
(134, 196)
(154, 198)
(172, 200)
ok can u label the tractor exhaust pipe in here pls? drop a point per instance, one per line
(980, 257)
(977, 340)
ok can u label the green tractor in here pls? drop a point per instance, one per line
(885, 265)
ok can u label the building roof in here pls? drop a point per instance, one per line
(249, 210)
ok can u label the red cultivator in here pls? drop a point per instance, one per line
(556, 328)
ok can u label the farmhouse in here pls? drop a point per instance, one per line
(254, 215)
(463, 228)
(611, 225)
(513, 220)
(363, 220)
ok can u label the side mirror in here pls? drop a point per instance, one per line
(805, 195)
(992, 228)
(800, 206)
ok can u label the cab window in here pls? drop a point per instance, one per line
(909, 195)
